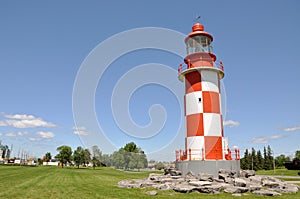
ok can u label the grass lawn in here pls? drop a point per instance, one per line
(282, 172)
(55, 182)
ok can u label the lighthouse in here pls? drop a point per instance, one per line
(206, 149)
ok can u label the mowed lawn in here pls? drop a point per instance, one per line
(55, 182)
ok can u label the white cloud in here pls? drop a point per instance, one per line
(266, 139)
(34, 139)
(23, 121)
(11, 134)
(295, 128)
(45, 135)
(22, 133)
(231, 123)
(80, 131)
(20, 117)
(2, 123)
(79, 128)
(0, 134)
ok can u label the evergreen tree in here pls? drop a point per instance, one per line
(260, 160)
(245, 161)
(270, 158)
(253, 159)
(266, 161)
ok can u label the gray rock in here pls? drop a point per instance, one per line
(199, 183)
(218, 180)
(254, 187)
(255, 179)
(162, 186)
(164, 180)
(205, 177)
(172, 172)
(236, 190)
(175, 177)
(151, 193)
(237, 194)
(129, 184)
(287, 188)
(239, 182)
(155, 177)
(229, 173)
(223, 176)
(266, 193)
(270, 184)
(229, 180)
(190, 176)
(247, 173)
(213, 189)
(184, 188)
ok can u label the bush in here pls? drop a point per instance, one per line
(159, 166)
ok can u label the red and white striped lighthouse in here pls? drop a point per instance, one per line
(202, 101)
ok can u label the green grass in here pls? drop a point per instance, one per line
(284, 172)
(55, 182)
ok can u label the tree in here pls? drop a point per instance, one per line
(97, 156)
(260, 160)
(106, 160)
(246, 160)
(297, 155)
(253, 159)
(280, 160)
(48, 157)
(129, 157)
(131, 147)
(64, 155)
(86, 157)
(78, 156)
(159, 166)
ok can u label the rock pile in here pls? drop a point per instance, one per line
(227, 182)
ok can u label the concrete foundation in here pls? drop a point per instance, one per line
(207, 166)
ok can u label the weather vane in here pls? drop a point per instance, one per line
(197, 19)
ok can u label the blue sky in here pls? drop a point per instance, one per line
(44, 46)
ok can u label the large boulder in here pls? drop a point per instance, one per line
(270, 184)
(200, 183)
(129, 184)
(254, 187)
(266, 193)
(205, 177)
(255, 179)
(151, 193)
(213, 189)
(287, 188)
(247, 173)
(184, 188)
(233, 189)
(239, 182)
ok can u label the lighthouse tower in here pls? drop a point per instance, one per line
(206, 148)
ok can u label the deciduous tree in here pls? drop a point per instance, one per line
(64, 155)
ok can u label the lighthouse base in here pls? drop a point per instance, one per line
(207, 166)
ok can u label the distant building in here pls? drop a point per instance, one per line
(4, 152)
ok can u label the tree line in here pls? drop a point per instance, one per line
(128, 157)
(256, 160)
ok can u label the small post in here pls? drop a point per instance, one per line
(190, 154)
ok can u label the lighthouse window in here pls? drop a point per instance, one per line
(199, 43)
(199, 100)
